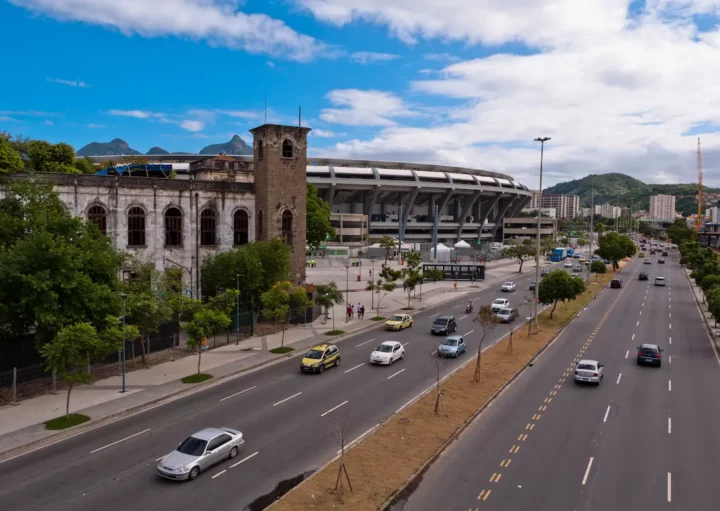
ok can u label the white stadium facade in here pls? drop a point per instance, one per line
(366, 197)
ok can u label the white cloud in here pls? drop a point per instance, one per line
(218, 22)
(138, 114)
(316, 132)
(48, 122)
(270, 64)
(370, 57)
(70, 83)
(446, 57)
(364, 108)
(95, 126)
(5, 118)
(28, 113)
(192, 125)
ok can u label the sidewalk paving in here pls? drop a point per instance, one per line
(710, 323)
(22, 424)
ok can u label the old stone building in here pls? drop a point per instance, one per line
(181, 222)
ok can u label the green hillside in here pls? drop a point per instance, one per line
(632, 191)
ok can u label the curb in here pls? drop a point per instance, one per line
(708, 328)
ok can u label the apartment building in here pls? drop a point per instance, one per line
(566, 206)
(607, 210)
(662, 207)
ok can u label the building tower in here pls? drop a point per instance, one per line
(280, 161)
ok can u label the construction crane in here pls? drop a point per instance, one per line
(698, 220)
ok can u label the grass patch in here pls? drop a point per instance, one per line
(379, 318)
(281, 350)
(66, 422)
(335, 332)
(408, 309)
(380, 464)
(197, 378)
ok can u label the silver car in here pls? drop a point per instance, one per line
(199, 452)
(589, 371)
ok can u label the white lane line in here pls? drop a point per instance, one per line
(457, 306)
(463, 317)
(669, 487)
(238, 393)
(643, 304)
(471, 331)
(669, 314)
(435, 315)
(333, 409)
(287, 399)
(638, 323)
(218, 474)
(627, 354)
(161, 457)
(669, 425)
(669, 306)
(363, 343)
(406, 343)
(607, 412)
(115, 443)
(243, 460)
(394, 375)
(669, 359)
(641, 313)
(587, 471)
(669, 385)
(670, 326)
(670, 341)
(633, 337)
(353, 368)
(619, 376)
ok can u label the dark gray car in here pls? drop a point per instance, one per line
(200, 452)
(444, 325)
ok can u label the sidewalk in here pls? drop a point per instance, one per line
(23, 424)
(713, 330)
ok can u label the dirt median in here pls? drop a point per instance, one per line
(385, 460)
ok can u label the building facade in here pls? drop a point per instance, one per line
(566, 206)
(662, 207)
(526, 227)
(607, 211)
(548, 212)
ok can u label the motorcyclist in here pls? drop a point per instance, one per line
(469, 307)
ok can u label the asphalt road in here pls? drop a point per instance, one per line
(645, 439)
(286, 417)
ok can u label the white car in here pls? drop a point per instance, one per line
(589, 371)
(508, 286)
(568, 264)
(500, 303)
(659, 281)
(387, 353)
(647, 260)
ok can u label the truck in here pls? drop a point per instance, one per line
(570, 252)
(559, 254)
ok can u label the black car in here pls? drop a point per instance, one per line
(544, 272)
(643, 276)
(661, 261)
(532, 285)
(649, 354)
(444, 325)
(616, 283)
(664, 253)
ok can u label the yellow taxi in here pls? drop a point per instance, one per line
(319, 358)
(582, 259)
(398, 322)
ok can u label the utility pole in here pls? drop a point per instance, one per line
(537, 235)
(347, 290)
(124, 299)
(592, 232)
(436, 213)
(237, 309)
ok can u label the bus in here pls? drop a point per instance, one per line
(459, 271)
(559, 254)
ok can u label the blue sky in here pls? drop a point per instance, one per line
(619, 85)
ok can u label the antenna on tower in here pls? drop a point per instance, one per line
(265, 109)
(698, 220)
(299, 117)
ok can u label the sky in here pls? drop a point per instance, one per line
(618, 85)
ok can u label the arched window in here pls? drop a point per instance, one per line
(207, 227)
(287, 149)
(259, 226)
(260, 152)
(98, 216)
(287, 226)
(240, 228)
(173, 228)
(136, 227)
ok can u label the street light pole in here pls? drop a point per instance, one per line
(372, 281)
(237, 309)
(124, 299)
(537, 236)
(617, 214)
(592, 233)
(347, 291)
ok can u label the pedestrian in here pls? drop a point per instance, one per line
(349, 312)
(363, 312)
(359, 311)
(352, 311)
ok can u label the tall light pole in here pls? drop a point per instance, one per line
(592, 233)
(617, 214)
(347, 290)
(537, 236)
(124, 299)
(237, 309)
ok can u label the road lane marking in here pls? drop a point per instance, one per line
(670, 341)
(471, 331)
(218, 474)
(363, 343)
(244, 459)
(633, 337)
(669, 314)
(353, 368)
(607, 412)
(670, 326)
(643, 305)
(495, 477)
(406, 343)
(522, 437)
(287, 399)
(619, 376)
(333, 409)
(457, 306)
(122, 440)
(669, 495)
(237, 393)
(360, 437)
(161, 457)
(669, 359)
(463, 317)
(394, 375)
(515, 449)
(435, 315)
(587, 471)
(641, 313)
(483, 495)
(669, 385)
(669, 425)
(638, 324)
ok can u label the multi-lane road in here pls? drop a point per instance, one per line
(645, 439)
(287, 419)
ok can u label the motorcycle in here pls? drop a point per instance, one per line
(468, 309)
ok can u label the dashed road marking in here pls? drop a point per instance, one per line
(619, 377)
(363, 343)
(237, 393)
(287, 399)
(607, 412)
(335, 408)
(244, 459)
(218, 474)
(587, 471)
(394, 375)
(353, 368)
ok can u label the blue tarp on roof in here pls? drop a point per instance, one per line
(163, 169)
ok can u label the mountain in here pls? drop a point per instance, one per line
(236, 146)
(632, 192)
(157, 150)
(115, 146)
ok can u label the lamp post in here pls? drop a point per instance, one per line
(372, 281)
(124, 299)
(347, 290)
(237, 309)
(537, 236)
(592, 233)
(617, 214)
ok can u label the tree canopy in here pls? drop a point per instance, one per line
(318, 219)
(559, 286)
(614, 247)
(680, 232)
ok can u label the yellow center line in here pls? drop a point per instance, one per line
(524, 437)
(532, 426)
(517, 448)
(492, 477)
(528, 426)
(487, 495)
(482, 494)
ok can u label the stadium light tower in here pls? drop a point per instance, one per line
(537, 236)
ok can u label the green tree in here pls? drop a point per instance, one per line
(598, 267)
(614, 247)
(559, 286)
(644, 228)
(85, 165)
(383, 285)
(388, 244)
(488, 321)
(327, 296)
(547, 245)
(713, 302)
(520, 252)
(55, 270)
(70, 352)
(411, 274)
(10, 159)
(708, 282)
(205, 323)
(318, 219)
(283, 303)
(599, 227)
(680, 232)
